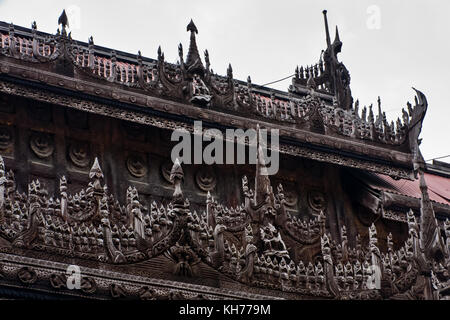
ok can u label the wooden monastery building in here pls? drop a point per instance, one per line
(88, 187)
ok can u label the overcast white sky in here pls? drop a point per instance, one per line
(405, 45)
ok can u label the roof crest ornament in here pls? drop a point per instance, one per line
(193, 62)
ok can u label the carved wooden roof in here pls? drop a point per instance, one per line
(156, 92)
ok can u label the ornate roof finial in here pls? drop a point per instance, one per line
(191, 27)
(193, 62)
(63, 21)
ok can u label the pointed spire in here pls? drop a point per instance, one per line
(63, 20)
(379, 106)
(230, 71)
(337, 43)
(177, 176)
(191, 27)
(193, 62)
(207, 60)
(336, 38)
(370, 118)
(177, 171)
(96, 171)
(180, 52)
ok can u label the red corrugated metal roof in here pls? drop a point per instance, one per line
(438, 187)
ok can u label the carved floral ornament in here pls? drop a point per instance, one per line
(317, 200)
(27, 275)
(137, 165)
(41, 144)
(79, 153)
(187, 238)
(291, 198)
(58, 280)
(206, 178)
(88, 285)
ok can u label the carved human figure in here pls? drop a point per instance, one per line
(219, 241)
(114, 254)
(272, 242)
(135, 212)
(200, 92)
(250, 253)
